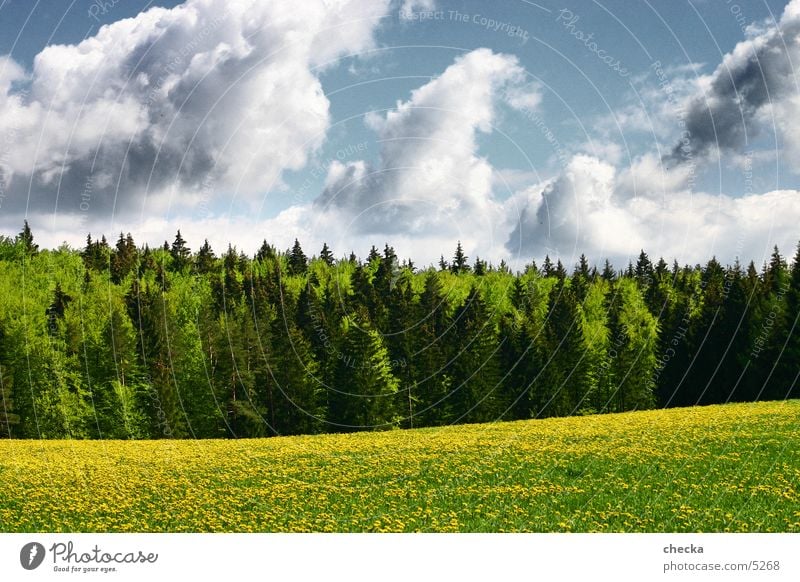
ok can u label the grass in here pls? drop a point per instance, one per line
(734, 467)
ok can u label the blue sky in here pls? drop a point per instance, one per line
(583, 165)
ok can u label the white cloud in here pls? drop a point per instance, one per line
(175, 106)
(593, 208)
(214, 91)
(431, 179)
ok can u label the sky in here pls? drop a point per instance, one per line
(520, 128)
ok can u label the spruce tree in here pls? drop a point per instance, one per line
(459, 264)
(180, 252)
(123, 259)
(608, 272)
(25, 238)
(326, 255)
(298, 262)
(477, 392)
(785, 382)
(205, 260)
(374, 256)
(364, 396)
(480, 267)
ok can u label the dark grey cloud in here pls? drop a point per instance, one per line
(760, 71)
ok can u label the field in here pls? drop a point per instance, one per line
(733, 467)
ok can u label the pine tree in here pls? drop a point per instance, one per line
(733, 333)
(774, 271)
(55, 312)
(560, 272)
(205, 260)
(581, 279)
(298, 262)
(608, 272)
(770, 321)
(477, 382)
(785, 381)
(644, 271)
(234, 347)
(387, 273)
(519, 365)
(364, 396)
(266, 251)
(9, 420)
(634, 334)
(149, 310)
(294, 389)
(373, 256)
(26, 239)
(430, 348)
(459, 264)
(180, 253)
(124, 258)
(480, 267)
(326, 255)
(96, 254)
(547, 267)
(561, 387)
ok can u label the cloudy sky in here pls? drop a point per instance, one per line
(519, 128)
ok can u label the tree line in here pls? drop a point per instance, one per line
(132, 342)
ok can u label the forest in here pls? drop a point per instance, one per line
(130, 342)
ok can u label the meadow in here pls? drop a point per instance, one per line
(721, 468)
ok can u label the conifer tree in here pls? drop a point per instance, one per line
(477, 382)
(123, 259)
(459, 264)
(180, 252)
(298, 262)
(25, 237)
(326, 255)
(608, 272)
(431, 341)
(364, 396)
(785, 381)
(206, 259)
(373, 256)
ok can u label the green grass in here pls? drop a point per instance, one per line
(719, 468)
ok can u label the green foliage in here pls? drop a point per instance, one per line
(132, 343)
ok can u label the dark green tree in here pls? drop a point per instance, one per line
(326, 255)
(459, 264)
(123, 259)
(25, 238)
(206, 260)
(180, 253)
(298, 262)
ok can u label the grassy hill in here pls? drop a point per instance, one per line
(733, 467)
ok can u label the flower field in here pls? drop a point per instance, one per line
(732, 467)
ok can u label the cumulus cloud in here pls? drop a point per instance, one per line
(752, 81)
(430, 177)
(158, 114)
(596, 209)
(218, 94)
